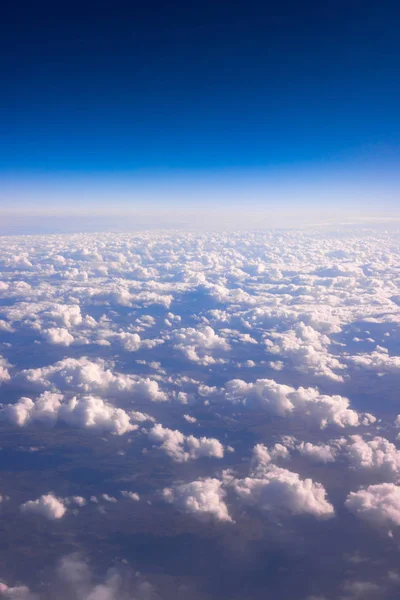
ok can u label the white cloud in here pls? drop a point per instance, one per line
(289, 301)
(203, 346)
(190, 419)
(109, 498)
(202, 498)
(320, 453)
(283, 400)
(378, 504)
(262, 456)
(130, 341)
(85, 375)
(307, 349)
(48, 506)
(274, 489)
(278, 489)
(87, 412)
(63, 314)
(182, 448)
(131, 495)
(4, 366)
(379, 361)
(58, 336)
(78, 500)
(378, 456)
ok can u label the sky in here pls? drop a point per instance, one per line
(199, 300)
(146, 106)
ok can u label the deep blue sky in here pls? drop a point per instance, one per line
(149, 90)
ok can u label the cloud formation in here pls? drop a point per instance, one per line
(284, 400)
(378, 504)
(87, 412)
(91, 377)
(280, 490)
(378, 456)
(182, 448)
(48, 506)
(202, 499)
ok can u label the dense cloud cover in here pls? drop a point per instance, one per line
(243, 386)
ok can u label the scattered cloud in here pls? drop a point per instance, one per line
(48, 506)
(378, 504)
(202, 499)
(182, 448)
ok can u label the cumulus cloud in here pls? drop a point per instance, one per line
(68, 315)
(4, 366)
(85, 375)
(58, 336)
(282, 490)
(379, 361)
(319, 453)
(201, 345)
(202, 499)
(87, 412)
(313, 308)
(182, 448)
(377, 456)
(78, 500)
(274, 489)
(378, 504)
(48, 506)
(131, 495)
(284, 400)
(190, 419)
(262, 456)
(307, 349)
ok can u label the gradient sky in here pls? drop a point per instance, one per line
(225, 101)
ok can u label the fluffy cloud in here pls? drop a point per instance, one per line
(63, 314)
(283, 400)
(48, 506)
(200, 345)
(202, 498)
(4, 366)
(307, 349)
(58, 336)
(88, 412)
(131, 495)
(190, 419)
(182, 448)
(379, 361)
(378, 456)
(322, 453)
(274, 489)
(318, 309)
(85, 375)
(262, 456)
(378, 504)
(282, 490)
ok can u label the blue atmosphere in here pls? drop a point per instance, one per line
(140, 94)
